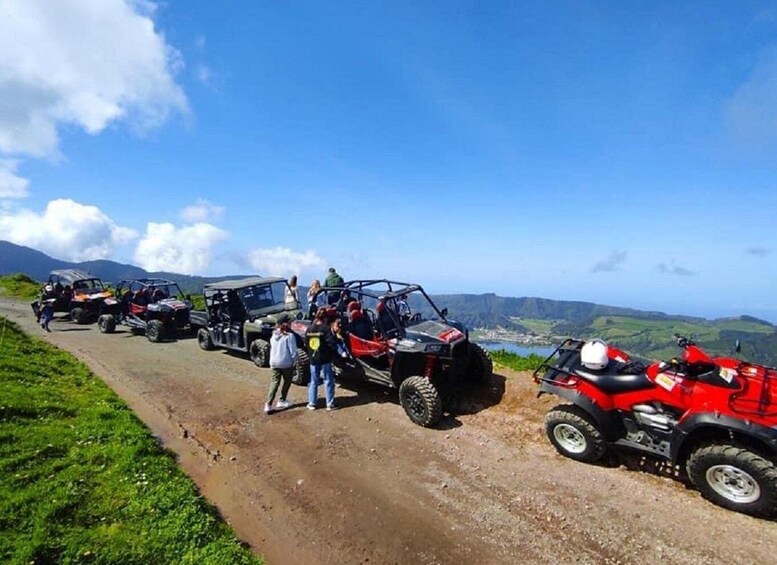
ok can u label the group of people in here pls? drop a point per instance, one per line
(323, 339)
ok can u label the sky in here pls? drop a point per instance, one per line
(618, 152)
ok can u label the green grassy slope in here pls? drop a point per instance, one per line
(82, 480)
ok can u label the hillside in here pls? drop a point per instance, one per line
(647, 333)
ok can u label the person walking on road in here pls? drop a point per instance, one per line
(283, 354)
(322, 346)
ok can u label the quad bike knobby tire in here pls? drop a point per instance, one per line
(421, 401)
(155, 331)
(301, 374)
(79, 315)
(259, 350)
(734, 477)
(204, 340)
(572, 432)
(480, 367)
(106, 323)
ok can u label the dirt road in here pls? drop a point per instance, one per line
(365, 485)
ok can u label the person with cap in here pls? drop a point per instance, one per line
(283, 354)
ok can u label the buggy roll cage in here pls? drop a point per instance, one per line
(393, 289)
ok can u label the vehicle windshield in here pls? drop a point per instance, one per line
(262, 297)
(88, 286)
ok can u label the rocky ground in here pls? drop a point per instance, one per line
(364, 484)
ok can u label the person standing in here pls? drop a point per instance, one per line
(291, 293)
(321, 345)
(46, 313)
(315, 301)
(283, 354)
(334, 281)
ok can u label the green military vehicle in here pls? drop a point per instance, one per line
(240, 315)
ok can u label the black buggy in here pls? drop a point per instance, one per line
(398, 338)
(240, 315)
(156, 307)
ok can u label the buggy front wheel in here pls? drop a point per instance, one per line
(421, 401)
(155, 331)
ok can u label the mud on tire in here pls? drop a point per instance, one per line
(574, 434)
(106, 323)
(259, 350)
(480, 367)
(301, 374)
(421, 401)
(155, 331)
(734, 477)
(204, 340)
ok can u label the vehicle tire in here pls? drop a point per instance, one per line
(106, 323)
(79, 315)
(421, 401)
(574, 434)
(259, 350)
(204, 339)
(735, 478)
(301, 374)
(155, 331)
(480, 367)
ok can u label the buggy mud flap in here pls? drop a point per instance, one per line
(608, 423)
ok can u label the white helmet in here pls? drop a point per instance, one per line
(48, 288)
(594, 355)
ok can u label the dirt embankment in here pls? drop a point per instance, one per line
(363, 484)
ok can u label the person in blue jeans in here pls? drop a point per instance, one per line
(321, 346)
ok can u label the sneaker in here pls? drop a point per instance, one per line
(311, 406)
(267, 408)
(331, 408)
(282, 405)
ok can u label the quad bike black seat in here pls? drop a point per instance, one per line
(615, 378)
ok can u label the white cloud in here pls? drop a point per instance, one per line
(83, 63)
(752, 111)
(283, 261)
(204, 74)
(187, 250)
(11, 185)
(65, 230)
(202, 211)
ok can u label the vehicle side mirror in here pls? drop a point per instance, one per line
(737, 346)
(444, 312)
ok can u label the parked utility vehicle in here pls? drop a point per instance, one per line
(79, 294)
(391, 343)
(156, 307)
(240, 315)
(716, 417)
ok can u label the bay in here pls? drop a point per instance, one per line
(519, 348)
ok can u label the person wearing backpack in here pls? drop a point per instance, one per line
(321, 346)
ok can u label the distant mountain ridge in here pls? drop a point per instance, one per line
(19, 259)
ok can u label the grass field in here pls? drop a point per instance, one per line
(82, 480)
(516, 362)
(19, 286)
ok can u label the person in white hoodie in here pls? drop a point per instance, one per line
(283, 354)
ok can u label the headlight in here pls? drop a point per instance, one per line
(436, 348)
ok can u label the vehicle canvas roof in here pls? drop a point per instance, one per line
(68, 276)
(236, 284)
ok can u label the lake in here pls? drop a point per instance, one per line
(519, 348)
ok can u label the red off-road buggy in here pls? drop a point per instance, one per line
(717, 417)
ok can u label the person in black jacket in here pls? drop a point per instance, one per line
(321, 345)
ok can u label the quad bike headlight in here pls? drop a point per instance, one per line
(438, 348)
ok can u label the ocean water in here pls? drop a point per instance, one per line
(519, 348)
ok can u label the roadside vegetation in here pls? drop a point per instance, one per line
(82, 480)
(515, 361)
(19, 286)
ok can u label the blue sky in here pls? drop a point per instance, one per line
(615, 152)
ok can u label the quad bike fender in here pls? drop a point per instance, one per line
(706, 425)
(607, 422)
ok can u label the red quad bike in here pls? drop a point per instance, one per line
(717, 417)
